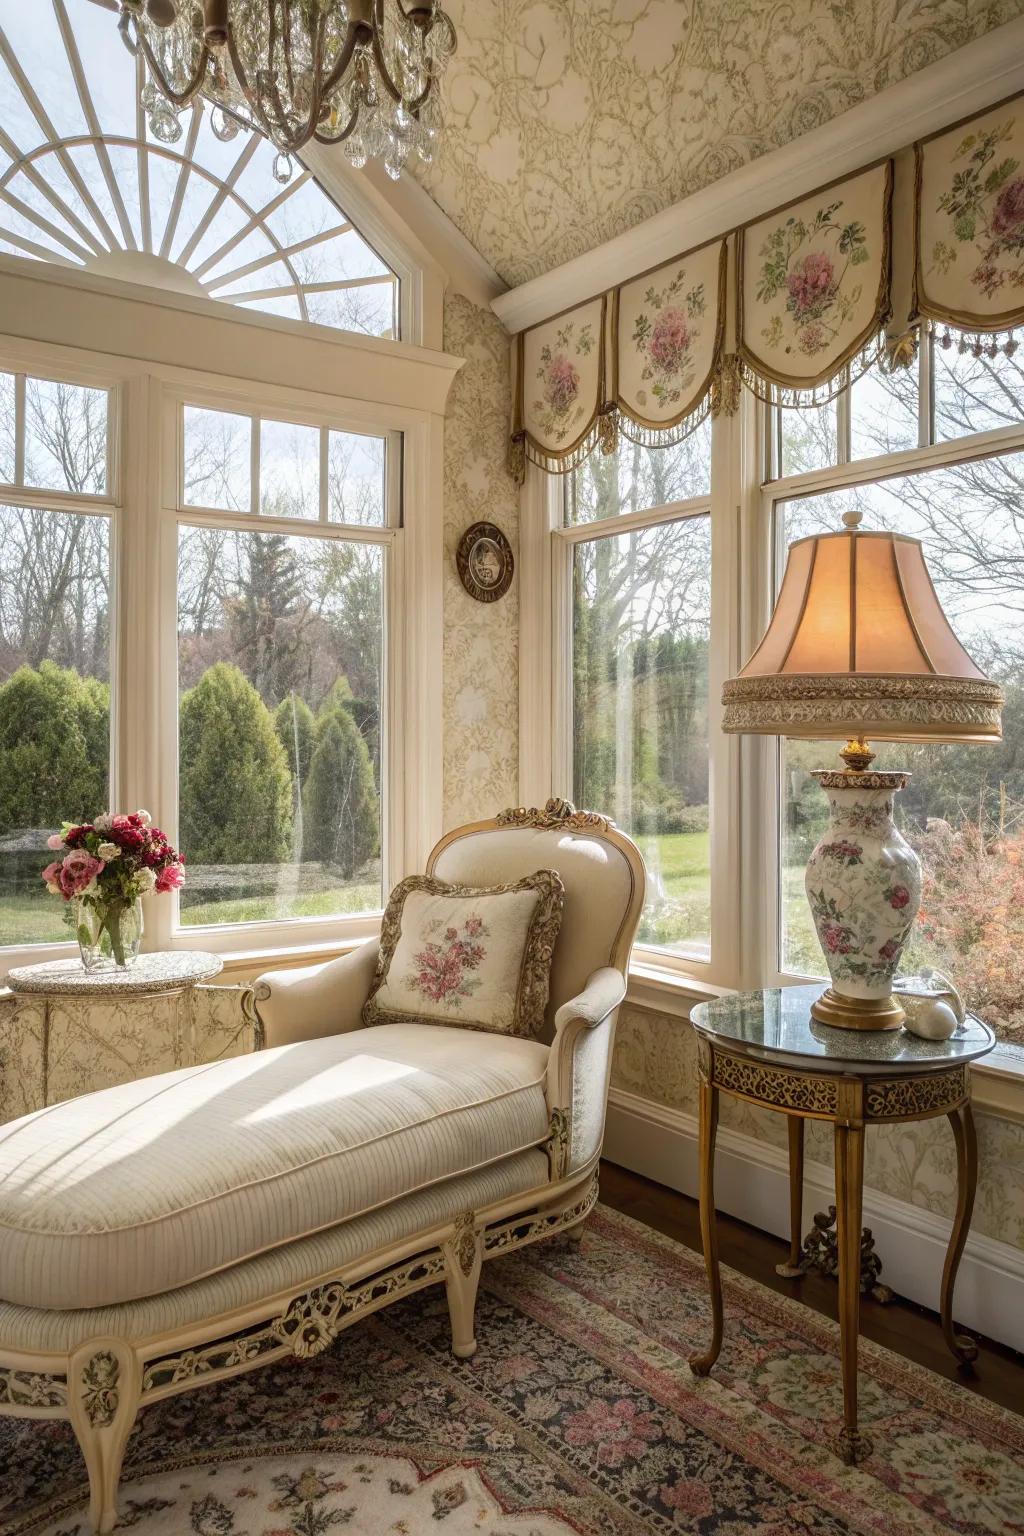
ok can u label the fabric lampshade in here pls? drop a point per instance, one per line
(858, 645)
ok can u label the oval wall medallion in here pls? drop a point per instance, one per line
(485, 563)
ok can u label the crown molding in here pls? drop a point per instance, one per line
(964, 82)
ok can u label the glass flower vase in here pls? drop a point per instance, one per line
(109, 933)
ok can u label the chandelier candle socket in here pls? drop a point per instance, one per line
(858, 646)
(361, 73)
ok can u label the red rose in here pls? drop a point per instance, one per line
(899, 896)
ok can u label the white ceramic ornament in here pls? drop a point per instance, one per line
(931, 1018)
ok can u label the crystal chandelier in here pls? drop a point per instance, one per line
(361, 73)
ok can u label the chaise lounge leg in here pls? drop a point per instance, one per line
(575, 1234)
(463, 1257)
(103, 1398)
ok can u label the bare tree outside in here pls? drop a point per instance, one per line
(964, 806)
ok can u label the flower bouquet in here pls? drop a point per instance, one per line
(109, 865)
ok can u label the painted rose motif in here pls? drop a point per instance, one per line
(809, 263)
(614, 1432)
(561, 384)
(558, 410)
(863, 885)
(984, 204)
(445, 966)
(1008, 215)
(811, 285)
(664, 335)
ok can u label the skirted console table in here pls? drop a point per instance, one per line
(66, 1031)
(764, 1047)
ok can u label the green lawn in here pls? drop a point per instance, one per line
(678, 910)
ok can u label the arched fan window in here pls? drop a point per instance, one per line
(85, 185)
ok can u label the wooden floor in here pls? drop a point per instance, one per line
(901, 1326)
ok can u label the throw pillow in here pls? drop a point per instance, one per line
(477, 957)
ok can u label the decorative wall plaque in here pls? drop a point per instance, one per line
(485, 563)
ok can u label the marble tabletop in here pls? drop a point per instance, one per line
(776, 1024)
(166, 971)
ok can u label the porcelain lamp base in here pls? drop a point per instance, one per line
(863, 883)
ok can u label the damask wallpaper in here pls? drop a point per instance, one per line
(656, 1057)
(481, 640)
(569, 121)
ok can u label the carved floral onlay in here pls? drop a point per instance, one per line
(558, 815)
(820, 1251)
(314, 1319)
(32, 1389)
(464, 1243)
(776, 1086)
(558, 1143)
(929, 1093)
(99, 1388)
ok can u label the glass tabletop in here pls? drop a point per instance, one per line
(777, 1022)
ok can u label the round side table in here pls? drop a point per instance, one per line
(764, 1047)
(174, 973)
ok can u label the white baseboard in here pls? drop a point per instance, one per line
(752, 1183)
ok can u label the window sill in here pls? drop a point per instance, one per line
(663, 991)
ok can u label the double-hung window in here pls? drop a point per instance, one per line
(935, 452)
(633, 571)
(285, 531)
(58, 505)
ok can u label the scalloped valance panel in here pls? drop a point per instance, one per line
(813, 289)
(969, 223)
(820, 290)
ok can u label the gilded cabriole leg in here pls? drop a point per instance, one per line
(792, 1269)
(103, 1399)
(962, 1121)
(849, 1161)
(701, 1364)
(463, 1256)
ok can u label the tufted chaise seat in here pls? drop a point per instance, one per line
(183, 1228)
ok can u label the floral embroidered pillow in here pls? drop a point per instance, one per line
(479, 958)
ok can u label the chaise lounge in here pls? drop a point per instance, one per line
(184, 1228)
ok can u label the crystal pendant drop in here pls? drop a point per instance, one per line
(223, 125)
(282, 168)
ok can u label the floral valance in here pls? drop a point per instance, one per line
(820, 289)
(969, 223)
(666, 343)
(641, 360)
(813, 289)
(560, 389)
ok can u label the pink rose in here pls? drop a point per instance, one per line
(562, 383)
(670, 340)
(811, 285)
(56, 841)
(899, 896)
(170, 878)
(836, 939)
(77, 872)
(1008, 213)
(51, 872)
(890, 949)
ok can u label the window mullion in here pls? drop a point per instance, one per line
(19, 429)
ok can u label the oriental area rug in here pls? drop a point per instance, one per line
(578, 1416)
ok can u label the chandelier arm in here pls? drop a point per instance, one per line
(386, 80)
(343, 60)
(338, 138)
(194, 87)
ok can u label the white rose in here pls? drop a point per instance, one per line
(144, 817)
(109, 851)
(146, 880)
(104, 823)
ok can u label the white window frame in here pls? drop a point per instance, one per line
(748, 552)
(41, 311)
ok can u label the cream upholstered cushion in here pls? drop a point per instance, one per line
(475, 956)
(597, 880)
(293, 1267)
(156, 1183)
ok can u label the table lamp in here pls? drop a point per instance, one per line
(858, 646)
